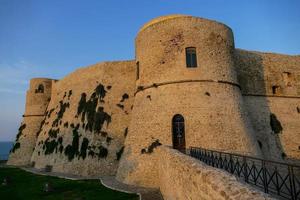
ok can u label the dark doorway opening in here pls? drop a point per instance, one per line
(178, 132)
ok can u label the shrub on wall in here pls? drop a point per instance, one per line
(72, 150)
(103, 152)
(151, 147)
(62, 108)
(83, 149)
(16, 146)
(50, 146)
(119, 153)
(92, 117)
(275, 124)
(20, 131)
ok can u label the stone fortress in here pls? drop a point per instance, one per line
(187, 86)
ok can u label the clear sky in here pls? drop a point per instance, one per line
(51, 38)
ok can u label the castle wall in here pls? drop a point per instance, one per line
(208, 97)
(183, 177)
(37, 100)
(234, 101)
(271, 85)
(87, 120)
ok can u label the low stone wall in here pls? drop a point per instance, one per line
(183, 177)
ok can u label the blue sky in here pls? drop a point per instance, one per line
(51, 38)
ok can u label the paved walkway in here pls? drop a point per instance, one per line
(107, 181)
(145, 193)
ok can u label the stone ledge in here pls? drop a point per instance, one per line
(191, 179)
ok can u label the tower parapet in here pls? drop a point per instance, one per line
(161, 50)
(37, 100)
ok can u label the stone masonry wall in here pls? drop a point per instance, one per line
(208, 96)
(87, 120)
(271, 90)
(37, 100)
(183, 177)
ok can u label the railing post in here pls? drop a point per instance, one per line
(231, 164)
(245, 169)
(277, 181)
(292, 183)
(220, 158)
(265, 181)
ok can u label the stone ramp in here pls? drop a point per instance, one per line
(144, 193)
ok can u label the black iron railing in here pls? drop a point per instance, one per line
(273, 177)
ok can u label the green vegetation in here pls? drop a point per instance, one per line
(108, 140)
(16, 146)
(100, 118)
(103, 152)
(119, 153)
(93, 116)
(81, 103)
(70, 93)
(41, 126)
(66, 124)
(73, 150)
(151, 147)
(100, 91)
(27, 186)
(126, 132)
(275, 124)
(22, 127)
(62, 108)
(50, 146)
(120, 106)
(53, 133)
(124, 97)
(108, 87)
(50, 112)
(84, 146)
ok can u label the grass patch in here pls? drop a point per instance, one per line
(27, 186)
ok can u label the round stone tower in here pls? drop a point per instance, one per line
(37, 100)
(187, 94)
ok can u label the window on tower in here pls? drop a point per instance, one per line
(191, 57)
(137, 70)
(40, 89)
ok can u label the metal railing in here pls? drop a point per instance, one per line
(277, 178)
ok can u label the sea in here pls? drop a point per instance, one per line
(5, 147)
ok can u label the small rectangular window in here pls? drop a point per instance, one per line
(275, 89)
(191, 57)
(137, 70)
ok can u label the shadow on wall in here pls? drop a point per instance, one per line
(252, 78)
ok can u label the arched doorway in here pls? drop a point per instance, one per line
(178, 133)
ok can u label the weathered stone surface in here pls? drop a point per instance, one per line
(36, 105)
(111, 117)
(258, 73)
(183, 177)
(215, 121)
